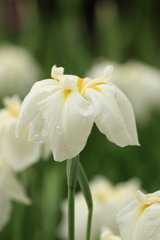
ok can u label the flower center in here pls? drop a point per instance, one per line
(91, 84)
(66, 93)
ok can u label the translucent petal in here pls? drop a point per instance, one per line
(69, 119)
(109, 119)
(127, 113)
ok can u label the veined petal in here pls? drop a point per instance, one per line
(29, 109)
(36, 129)
(108, 116)
(18, 152)
(12, 187)
(139, 220)
(131, 223)
(44, 83)
(127, 113)
(152, 222)
(69, 119)
(128, 208)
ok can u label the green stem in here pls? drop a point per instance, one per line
(72, 174)
(71, 213)
(83, 182)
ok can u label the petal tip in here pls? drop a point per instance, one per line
(56, 71)
(108, 71)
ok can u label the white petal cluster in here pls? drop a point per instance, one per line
(17, 152)
(65, 108)
(140, 219)
(18, 70)
(108, 200)
(107, 234)
(139, 82)
(10, 189)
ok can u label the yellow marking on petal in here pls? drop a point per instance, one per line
(97, 89)
(56, 80)
(143, 208)
(90, 84)
(66, 93)
(96, 84)
(79, 84)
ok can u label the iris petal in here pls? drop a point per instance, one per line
(109, 119)
(29, 109)
(69, 119)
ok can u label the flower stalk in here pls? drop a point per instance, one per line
(83, 182)
(72, 174)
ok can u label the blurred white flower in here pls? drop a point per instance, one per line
(108, 200)
(67, 107)
(10, 189)
(17, 152)
(106, 234)
(140, 219)
(18, 70)
(139, 82)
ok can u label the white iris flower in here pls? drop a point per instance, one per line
(140, 219)
(65, 108)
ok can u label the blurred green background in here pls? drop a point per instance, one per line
(72, 34)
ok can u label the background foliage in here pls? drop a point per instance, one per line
(72, 34)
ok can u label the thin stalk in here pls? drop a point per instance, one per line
(72, 174)
(71, 213)
(84, 185)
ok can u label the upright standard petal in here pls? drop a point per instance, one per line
(109, 119)
(69, 119)
(56, 71)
